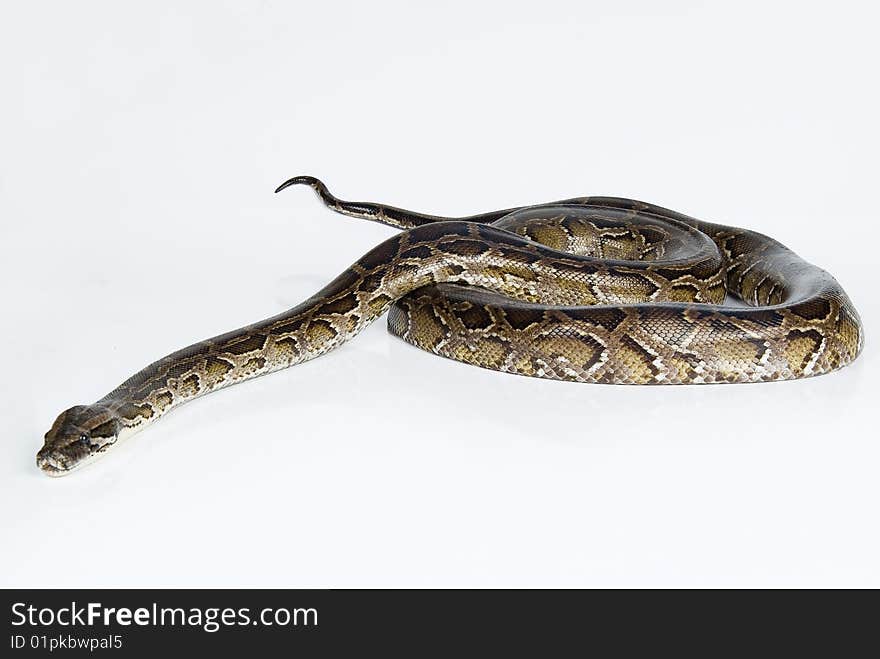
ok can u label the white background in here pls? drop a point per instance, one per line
(140, 147)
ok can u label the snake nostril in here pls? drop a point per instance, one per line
(52, 461)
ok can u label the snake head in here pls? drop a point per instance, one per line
(77, 436)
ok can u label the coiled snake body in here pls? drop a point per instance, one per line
(589, 289)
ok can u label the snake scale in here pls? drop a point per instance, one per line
(590, 289)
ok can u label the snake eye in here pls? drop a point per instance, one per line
(84, 439)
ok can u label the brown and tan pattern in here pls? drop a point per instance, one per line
(588, 289)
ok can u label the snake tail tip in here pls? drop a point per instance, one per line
(298, 180)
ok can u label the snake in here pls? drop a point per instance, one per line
(588, 289)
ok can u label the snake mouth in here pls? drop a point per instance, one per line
(51, 466)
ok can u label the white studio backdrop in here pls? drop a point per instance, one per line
(140, 148)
